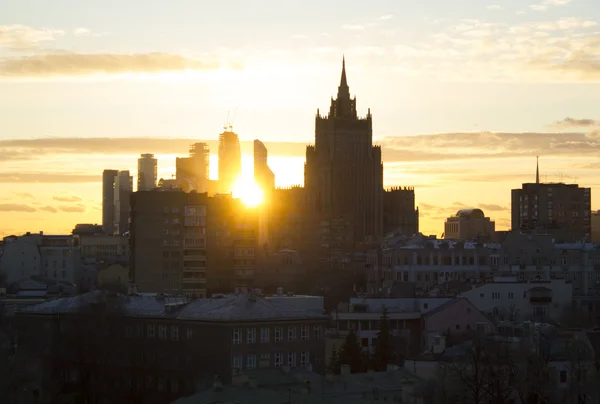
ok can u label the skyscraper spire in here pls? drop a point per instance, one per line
(537, 169)
(343, 89)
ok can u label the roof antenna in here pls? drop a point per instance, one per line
(537, 170)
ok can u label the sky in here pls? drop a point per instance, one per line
(464, 94)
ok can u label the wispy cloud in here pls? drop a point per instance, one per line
(569, 123)
(386, 17)
(492, 207)
(49, 209)
(81, 64)
(545, 4)
(13, 207)
(495, 7)
(24, 195)
(66, 198)
(21, 37)
(82, 32)
(72, 208)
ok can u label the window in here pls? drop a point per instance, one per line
(250, 361)
(278, 332)
(265, 360)
(150, 330)
(291, 362)
(304, 333)
(511, 295)
(188, 333)
(237, 336)
(317, 332)
(458, 326)
(563, 376)
(425, 305)
(291, 333)
(278, 359)
(495, 295)
(128, 331)
(264, 335)
(237, 362)
(174, 333)
(251, 335)
(162, 332)
(304, 358)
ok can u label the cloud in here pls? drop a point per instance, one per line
(300, 36)
(24, 195)
(353, 27)
(576, 123)
(49, 209)
(47, 177)
(67, 198)
(21, 37)
(82, 32)
(545, 4)
(494, 7)
(386, 17)
(13, 207)
(492, 207)
(82, 64)
(72, 208)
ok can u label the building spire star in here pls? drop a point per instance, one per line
(343, 81)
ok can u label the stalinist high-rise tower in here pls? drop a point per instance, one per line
(343, 174)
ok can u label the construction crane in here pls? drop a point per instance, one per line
(228, 126)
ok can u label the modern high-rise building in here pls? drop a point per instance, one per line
(147, 172)
(122, 193)
(230, 160)
(108, 200)
(562, 210)
(192, 172)
(343, 173)
(263, 175)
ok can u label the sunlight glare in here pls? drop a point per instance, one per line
(248, 191)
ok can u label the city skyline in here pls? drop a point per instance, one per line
(435, 127)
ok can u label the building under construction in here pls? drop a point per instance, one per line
(192, 172)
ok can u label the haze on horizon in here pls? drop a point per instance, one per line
(463, 95)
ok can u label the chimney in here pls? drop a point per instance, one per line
(217, 385)
(345, 370)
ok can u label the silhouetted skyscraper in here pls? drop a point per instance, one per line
(147, 172)
(343, 173)
(122, 193)
(230, 160)
(108, 200)
(263, 175)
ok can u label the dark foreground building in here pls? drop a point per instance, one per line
(102, 348)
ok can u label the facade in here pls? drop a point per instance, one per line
(230, 161)
(595, 227)
(192, 172)
(562, 210)
(511, 300)
(156, 349)
(122, 192)
(108, 200)
(147, 172)
(285, 269)
(107, 249)
(399, 213)
(469, 225)
(343, 174)
(192, 244)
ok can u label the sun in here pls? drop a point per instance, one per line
(247, 191)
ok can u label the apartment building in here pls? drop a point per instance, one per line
(156, 349)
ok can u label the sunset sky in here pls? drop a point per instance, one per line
(464, 94)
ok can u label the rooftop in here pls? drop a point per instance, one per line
(243, 307)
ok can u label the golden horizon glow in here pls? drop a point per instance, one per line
(248, 191)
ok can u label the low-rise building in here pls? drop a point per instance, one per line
(469, 225)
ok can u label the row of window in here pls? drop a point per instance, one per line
(279, 359)
(163, 332)
(265, 334)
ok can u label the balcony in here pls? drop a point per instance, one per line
(540, 299)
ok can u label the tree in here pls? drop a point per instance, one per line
(383, 348)
(334, 362)
(351, 353)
